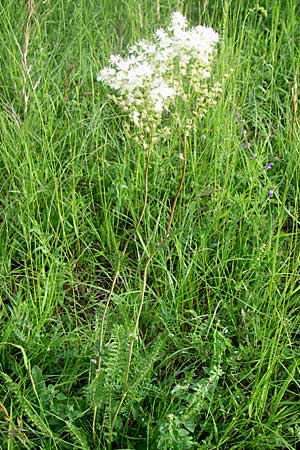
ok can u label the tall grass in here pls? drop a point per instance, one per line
(215, 362)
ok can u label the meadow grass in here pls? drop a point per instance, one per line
(215, 363)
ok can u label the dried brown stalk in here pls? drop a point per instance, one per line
(25, 68)
(13, 115)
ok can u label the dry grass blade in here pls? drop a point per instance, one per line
(12, 114)
(25, 69)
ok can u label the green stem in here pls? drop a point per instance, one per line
(115, 279)
(144, 284)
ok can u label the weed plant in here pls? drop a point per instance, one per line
(215, 362)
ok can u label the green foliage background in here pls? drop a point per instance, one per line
(216, 363)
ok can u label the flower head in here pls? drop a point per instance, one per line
(178, 24)
(176, 65)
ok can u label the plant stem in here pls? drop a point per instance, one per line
(117, 274)
(144, 283)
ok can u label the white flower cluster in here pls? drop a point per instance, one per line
(175, 65)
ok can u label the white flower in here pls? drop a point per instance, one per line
(106, 75)
(135, 117)
(114, 59)
(177, 63)
(162, 90)
(207, 34)
(204, 73)
(161, 35)
(158, 106)
(144, 70)
(178, 23)
(123, 64)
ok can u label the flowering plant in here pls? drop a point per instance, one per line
(171, 74)
(157, 76)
